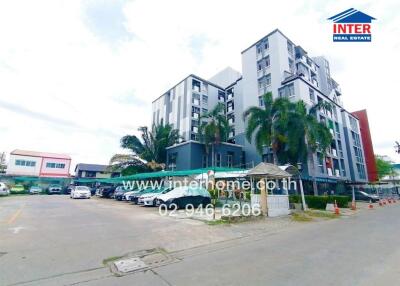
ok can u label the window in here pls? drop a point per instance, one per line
(353, 124)
(266, 45)
(287, 90)
(267, 62)
(231, 119)
(221, 96)
(290, 48)
(260, 101)
(205, 99)
(312, 95)
(229, 160)
(342, 167)
(204, 110)
(196, 85)
(218, 160)
(259, 67)
(25, 163)
(320, 162)
(291, 65)
(55, 165)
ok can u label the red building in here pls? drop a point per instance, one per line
(367, 145)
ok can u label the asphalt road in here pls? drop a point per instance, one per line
(52, 240)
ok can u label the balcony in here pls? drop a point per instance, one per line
(337, 173)
(263, 72)
(196, 102)
(195, 129)
(195, 115)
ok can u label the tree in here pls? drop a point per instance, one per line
(214, 129)
(268, 124)
(397, 147)
(3, 164)
(383, 166)
(149, 153)
(305, 133)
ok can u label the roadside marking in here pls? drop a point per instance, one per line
(15, 216)
(17, 229)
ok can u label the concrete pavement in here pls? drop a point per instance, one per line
(52, 240)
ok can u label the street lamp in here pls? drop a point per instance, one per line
(303, 200)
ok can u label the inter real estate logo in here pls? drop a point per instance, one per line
(351, 26)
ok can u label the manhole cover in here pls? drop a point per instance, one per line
(129, 264)
(140, 261)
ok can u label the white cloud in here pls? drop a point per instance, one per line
(99, 64)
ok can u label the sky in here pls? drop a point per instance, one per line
(76, 76)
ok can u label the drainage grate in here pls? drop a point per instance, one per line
(140, 261)
(129, 265)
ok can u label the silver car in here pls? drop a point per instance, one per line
(4, 191)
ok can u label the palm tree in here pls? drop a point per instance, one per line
(268, 124)
(151, 150)
(214, 129)
(304, 133)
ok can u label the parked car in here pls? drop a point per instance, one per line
(106, 191)
(80, 192)
(182, 196)
(4, 191)
(54, 189)
(363, 196)
(134, 196)
(17, 189)
(148, 199)
(35, 190)
(119, 193)
(129, 194)
(67, 189)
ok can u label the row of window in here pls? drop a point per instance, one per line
(25, 163)
(55, 165)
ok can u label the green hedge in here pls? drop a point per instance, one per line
(319, 202)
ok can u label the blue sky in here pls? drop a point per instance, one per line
(78, 75)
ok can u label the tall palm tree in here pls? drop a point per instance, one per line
(268, 124)
(214, 129)
(150, 150)
(305, 133)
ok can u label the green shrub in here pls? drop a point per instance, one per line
(319, 202)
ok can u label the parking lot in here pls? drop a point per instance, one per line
(54, 240)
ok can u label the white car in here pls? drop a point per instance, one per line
(4, 191)
(149, 198)
(128, 195)
(80, 192)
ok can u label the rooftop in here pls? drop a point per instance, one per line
(40, 154)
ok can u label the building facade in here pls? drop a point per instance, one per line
(372, 172)
(272, 64)
(97, 171)
(38, 164)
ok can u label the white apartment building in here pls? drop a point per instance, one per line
(272, 64)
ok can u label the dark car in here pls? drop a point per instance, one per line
(54, 189)
(363, 196)
(106, 191)
(182, 196)
(119, 193)
(67, 189)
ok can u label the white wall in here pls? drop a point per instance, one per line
(13, 169)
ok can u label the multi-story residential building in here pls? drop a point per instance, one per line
(38, 164)
(272, 64)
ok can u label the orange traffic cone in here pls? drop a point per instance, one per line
(371, 206)
(380, 203)
(337, 211)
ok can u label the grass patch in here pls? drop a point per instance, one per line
(322, 214)
(111, 259)
(300, 217)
